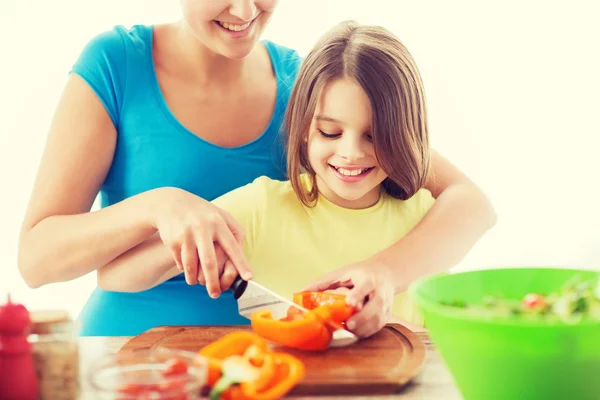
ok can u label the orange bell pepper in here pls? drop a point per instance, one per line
(241, 366)
(234, 343)
(288, 371)
(336, 303)
(310, 331)
(311, 300)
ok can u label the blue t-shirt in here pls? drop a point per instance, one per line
(154, 150)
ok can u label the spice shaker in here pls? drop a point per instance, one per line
(17, 372)
(56, 354)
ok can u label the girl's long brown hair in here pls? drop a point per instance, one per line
(386, 71)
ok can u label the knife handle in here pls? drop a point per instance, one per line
(238, 287)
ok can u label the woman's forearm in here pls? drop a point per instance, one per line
(63, 247)
(459, 218)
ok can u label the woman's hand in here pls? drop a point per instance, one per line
(193, 228)
(368, 286)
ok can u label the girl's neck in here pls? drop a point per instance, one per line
(367, 201)
(206, 66)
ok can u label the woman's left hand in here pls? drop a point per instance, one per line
(368, 286)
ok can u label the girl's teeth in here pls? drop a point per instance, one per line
(235, 28)
(351, 172)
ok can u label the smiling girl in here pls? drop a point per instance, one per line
(358, 157)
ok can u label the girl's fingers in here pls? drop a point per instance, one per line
(370, 319)
(189, 257)
(221, 260)
(208, 261)
(363, 287)
(201, 278)
(234, 251)
(176, 253)
(228, 276)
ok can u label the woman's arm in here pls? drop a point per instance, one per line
(461, 215)
(60, 239)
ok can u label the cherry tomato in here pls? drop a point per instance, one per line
(533, 301)
(175, 366)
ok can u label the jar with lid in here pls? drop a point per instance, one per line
(56, 354)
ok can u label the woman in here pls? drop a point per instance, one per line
(162, 119)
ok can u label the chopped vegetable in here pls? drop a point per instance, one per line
(242, 367)
(574, 301)
(327, 313)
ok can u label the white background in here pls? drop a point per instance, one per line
(513, 92)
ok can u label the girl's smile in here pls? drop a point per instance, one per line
(350, 174)
(340, 146)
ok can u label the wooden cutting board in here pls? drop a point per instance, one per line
(381, 364)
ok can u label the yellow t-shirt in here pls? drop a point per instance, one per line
(289, 245)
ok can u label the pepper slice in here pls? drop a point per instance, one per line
(308, 333)
(234, 343)
(340, 311)
(241, 366)
(311, 300)
(288, 371)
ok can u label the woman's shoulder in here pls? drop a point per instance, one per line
(119, 39)
(286, 61)
(107, 57)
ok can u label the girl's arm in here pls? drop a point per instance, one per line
(140, 268)
(151, 263)
(147, 265)
(461, 215)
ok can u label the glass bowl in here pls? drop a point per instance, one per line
(157, 374)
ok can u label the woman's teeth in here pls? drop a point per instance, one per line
(351, 172)
(234, 28)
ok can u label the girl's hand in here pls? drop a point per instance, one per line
(368, 286)
(192, 228)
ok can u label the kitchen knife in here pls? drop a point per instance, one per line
(252, 296)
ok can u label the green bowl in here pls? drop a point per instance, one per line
(492, 357)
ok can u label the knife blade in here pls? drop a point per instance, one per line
(252, 296)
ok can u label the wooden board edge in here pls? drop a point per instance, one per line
(153, 337)
(417, 361)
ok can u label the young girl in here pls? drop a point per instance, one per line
(358, 157)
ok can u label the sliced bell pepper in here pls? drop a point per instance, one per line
(234, 343)
(241, 366)
(340, 311)
(308, 333)
(311, 300)
(288, 371)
